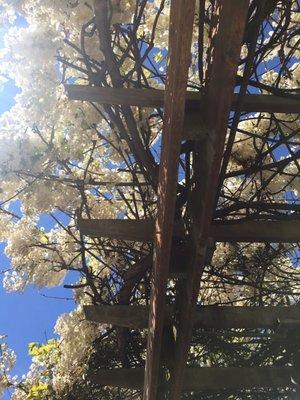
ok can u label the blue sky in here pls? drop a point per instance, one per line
(30, 316)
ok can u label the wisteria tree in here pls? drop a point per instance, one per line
(75, 160)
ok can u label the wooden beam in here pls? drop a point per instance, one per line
(206, 317)
(268, 103)
(230, 16)
(155, 98)
(120, 229)
(182, 15)
(123, 229)
(227, 317)
(134, 317)
(257, 231)
(242, 231)
(120, 96)
(206, 379)
(128, 378)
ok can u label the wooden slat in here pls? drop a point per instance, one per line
(207, 157)
(206, 317)
(117, 96)
(155, 98)
(129, 378)
(257, 231)
(206, 379)
(179, 58)
(143, 230)
(135, 317)
(122, 229)
(226, 317)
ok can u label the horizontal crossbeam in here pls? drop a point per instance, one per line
(155, 98)
(206, 317)
(257, 231)
(122, 229)
(206, 379)
(143, 230)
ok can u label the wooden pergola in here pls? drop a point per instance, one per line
(209, 112)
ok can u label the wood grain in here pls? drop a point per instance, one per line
(206, 317)
(155, 98)
(179, 58)
(207, 157)
(206, 379)
(239, 231)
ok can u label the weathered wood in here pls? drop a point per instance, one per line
(231, 16)
(135, 317)
(226, 317)
(179, 58)
(205, 379)
(117, 96)
(257, 231)
(206, 317)
(128, 378)
(122, 229)
(268, 103)
(155, 98)
(143, 230)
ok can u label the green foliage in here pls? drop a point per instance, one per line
(44, 357)
(42, 351)
(38, 392)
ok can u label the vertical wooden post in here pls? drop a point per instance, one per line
(180, 37)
